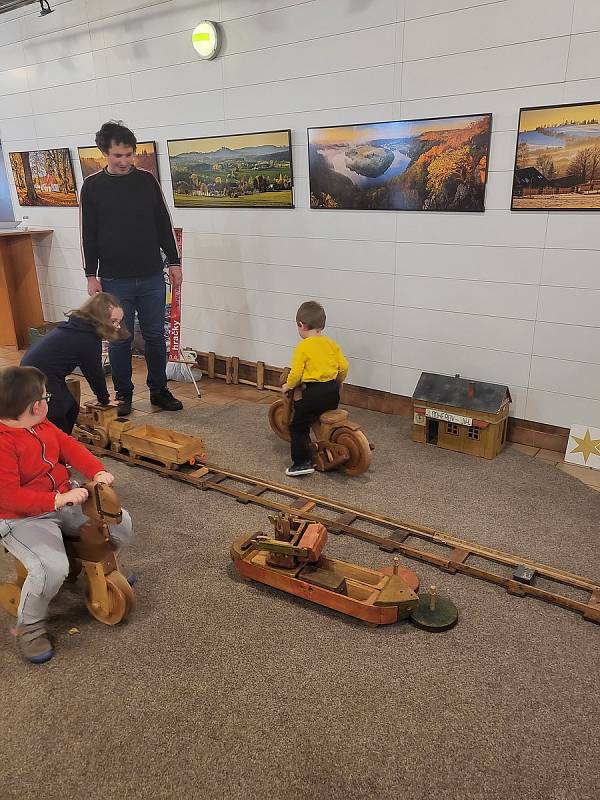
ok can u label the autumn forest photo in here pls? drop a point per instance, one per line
(44, 178)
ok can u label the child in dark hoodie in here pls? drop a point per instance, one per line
(77, 343)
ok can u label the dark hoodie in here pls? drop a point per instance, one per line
(74, 343)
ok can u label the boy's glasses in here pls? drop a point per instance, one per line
(46, 397)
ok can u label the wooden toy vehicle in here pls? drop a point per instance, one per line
(109, 597)
(338, 443)
(292, 561)
(100, 426)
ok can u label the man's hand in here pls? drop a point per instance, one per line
(104, 477)
(94, 285)
(75, 497)
(176, 276)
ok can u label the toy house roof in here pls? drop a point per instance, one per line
(461, 392)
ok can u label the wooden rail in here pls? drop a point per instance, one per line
(454, 552)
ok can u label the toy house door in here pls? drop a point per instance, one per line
(432, 431)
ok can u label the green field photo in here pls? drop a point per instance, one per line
(263, 200)
(238, 171)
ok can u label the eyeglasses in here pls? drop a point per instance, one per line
(116, 323)
(46, 397)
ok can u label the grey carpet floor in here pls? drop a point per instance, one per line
(220, 689)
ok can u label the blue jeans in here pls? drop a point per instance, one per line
(147, 296)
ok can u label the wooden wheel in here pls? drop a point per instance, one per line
(279, 417)
(10, 595)
(358, 447)
(101, 438)
(120, 600)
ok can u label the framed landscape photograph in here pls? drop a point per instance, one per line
(92, 160)
(557, 162)
(44, 178)
(409, 165)
(252, 170)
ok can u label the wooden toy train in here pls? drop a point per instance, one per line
(100, 426)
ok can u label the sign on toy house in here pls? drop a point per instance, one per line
(461, 414)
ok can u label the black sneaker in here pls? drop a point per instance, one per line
(300, 469)
(165, 400)
(124, 407)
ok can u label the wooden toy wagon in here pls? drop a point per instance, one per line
(100, 426)
(292, 560)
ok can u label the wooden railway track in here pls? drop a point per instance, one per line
(453, 555)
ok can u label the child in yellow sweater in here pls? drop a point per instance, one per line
(319, 367)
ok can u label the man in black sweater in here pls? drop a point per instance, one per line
(125, 224)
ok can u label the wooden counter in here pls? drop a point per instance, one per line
(20, 303)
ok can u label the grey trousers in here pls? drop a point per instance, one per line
(38, 543)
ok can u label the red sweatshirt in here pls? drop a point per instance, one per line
(32, 468)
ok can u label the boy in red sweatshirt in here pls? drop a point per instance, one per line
(37, 504)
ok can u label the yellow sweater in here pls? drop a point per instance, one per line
(317, 359)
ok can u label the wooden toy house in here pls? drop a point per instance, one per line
(461, 414)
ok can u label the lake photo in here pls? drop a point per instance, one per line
(409, 165)
(557, 163)
(239, 171)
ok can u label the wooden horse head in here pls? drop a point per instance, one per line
(102, 504)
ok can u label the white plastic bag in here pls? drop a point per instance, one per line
(180, 370)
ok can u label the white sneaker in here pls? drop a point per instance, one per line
(300, 469)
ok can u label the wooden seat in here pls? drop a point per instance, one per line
(313, 540)
(324, 578)
(333, 417)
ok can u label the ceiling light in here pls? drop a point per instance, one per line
(206, 39)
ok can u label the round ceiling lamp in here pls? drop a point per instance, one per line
(206, 39)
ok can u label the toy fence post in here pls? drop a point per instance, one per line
(235, 370)
(211, 365)
(260, 374)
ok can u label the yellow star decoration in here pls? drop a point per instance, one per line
(587, 446)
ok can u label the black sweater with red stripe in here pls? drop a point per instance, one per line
(125, 223)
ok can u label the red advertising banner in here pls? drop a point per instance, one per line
(173, 309)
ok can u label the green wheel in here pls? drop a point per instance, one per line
(442, 617)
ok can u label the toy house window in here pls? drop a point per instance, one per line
(452, 427)
(473, 434)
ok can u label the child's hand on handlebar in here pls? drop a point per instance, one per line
(104, 477)
(74, 497)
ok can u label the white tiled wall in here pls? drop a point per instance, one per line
(499, 296)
